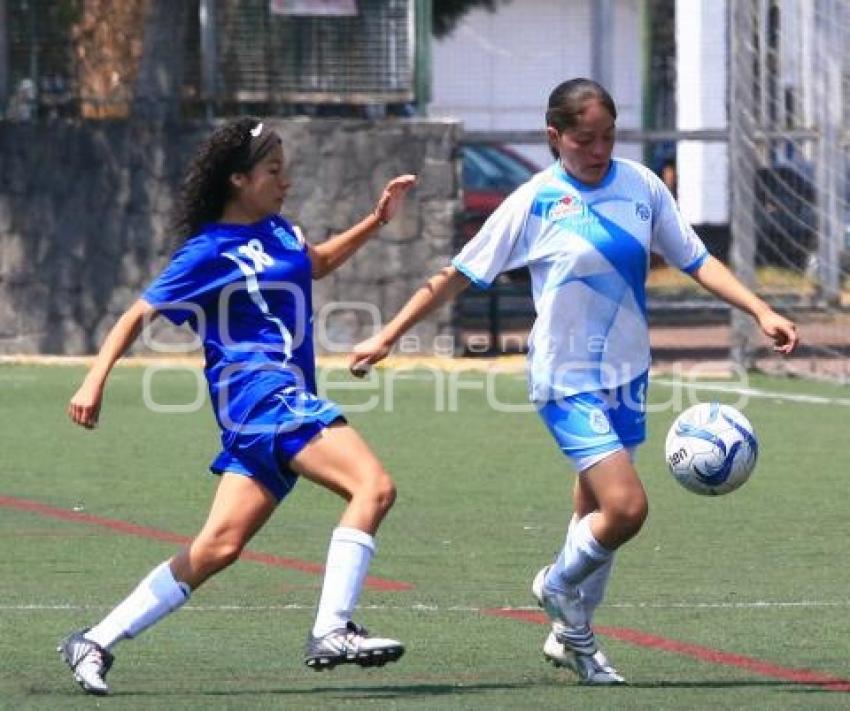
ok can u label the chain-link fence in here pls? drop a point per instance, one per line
(87, 57)
(268, 58)
(741, 108)
(755, 141)
(788, 100)
(36, 56)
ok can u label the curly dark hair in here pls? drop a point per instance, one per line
(206, 184)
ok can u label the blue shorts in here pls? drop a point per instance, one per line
(590, 426)
(275, 430)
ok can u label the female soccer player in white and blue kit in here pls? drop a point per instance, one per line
(585, 228)
(242, 281)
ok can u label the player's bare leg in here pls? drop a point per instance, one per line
(341, 461)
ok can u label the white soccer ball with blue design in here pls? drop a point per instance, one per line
(711, 449)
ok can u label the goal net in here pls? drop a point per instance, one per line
(789, 88)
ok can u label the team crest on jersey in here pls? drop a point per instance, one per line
(598, 422)
(642, 211)
(565, 207)
(287, 239)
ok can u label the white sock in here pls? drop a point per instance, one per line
(593, 587)
(155, 597)
(582, 555)
(349, 555)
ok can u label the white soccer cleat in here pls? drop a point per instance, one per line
(350, 645)
(567, 613)
(592, 669)
(89, 662)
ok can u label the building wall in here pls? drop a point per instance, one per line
(495, 71)
(701, 103)
(84, 212)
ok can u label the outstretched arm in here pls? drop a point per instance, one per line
(329, 255)
(716, 277)
(84, 407)
(439, 289)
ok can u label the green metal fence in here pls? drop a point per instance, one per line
(82, 57)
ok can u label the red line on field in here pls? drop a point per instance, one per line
(705, 654)
(132, 529)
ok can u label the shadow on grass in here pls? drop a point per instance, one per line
(365, 692)
(388, 691)
(413, 690)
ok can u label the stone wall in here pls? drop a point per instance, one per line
(84, 214)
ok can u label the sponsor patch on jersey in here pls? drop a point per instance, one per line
(567, 206)
(642, 211)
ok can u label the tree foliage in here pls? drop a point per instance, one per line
(107, 44)
(447, 13)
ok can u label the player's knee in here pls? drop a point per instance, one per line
(229, 553)
(630, 512)
(374, 491)
(219, 553)
(384, 492)
(635, 513)
(638, 513)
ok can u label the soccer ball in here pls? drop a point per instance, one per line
(711, 449)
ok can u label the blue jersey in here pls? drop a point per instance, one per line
(587, 248)
(246, 291)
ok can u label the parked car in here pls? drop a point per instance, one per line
(491, 172)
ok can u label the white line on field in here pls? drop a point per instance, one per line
(755, 604)
(414, 376)
(753, 392)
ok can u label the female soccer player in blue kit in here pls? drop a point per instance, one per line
(242, 280)
(585, 227)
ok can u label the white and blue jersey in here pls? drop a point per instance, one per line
(587, 248)
(246, 290)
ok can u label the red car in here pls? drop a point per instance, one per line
(490, 173)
